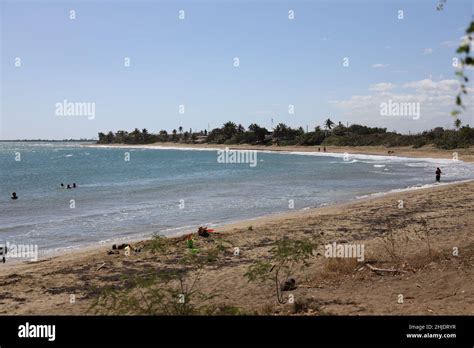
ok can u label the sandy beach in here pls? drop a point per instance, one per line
(429, 151)
(431, 268)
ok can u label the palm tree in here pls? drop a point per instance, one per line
(229, 129)
(145, 135)
(102, 138)
(260, 132)
(328, 124)
(136, 136)
(109, 137)
(180, 129)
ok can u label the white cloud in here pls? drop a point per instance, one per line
(380, 66)
(433, 87)
(428, 51)
(435, 97)
(381, 87)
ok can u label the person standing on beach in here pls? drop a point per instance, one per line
(438, 174)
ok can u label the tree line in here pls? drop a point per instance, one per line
(282, 135)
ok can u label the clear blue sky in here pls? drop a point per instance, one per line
(190, 62)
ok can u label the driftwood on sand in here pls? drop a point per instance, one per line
(100, 267)
(382, 270)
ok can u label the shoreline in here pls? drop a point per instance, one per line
(428, 152)
(435, 285)
(146, 236)
(68, 252)
(226, 226)
(90, 247)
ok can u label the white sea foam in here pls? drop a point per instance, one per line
(301, 153)
(412, 188)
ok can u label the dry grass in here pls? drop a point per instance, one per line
(341, 265)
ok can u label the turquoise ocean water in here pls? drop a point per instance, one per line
(119, 200)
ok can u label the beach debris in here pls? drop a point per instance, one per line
(55, 290)
(203, 231)
(126, 247)
(182, 238)
(288, 285)
(100, 267)
(381, 270)
(190, 244)
(190, 241)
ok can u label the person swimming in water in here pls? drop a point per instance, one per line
(68, 186)
(438, 174)
(14, 196)
(74, 185)
(62, 185)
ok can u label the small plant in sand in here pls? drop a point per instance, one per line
(171, 291)
(426, 235)
(394, 243)
(158, 244)
(223, 246)
(286, 254)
